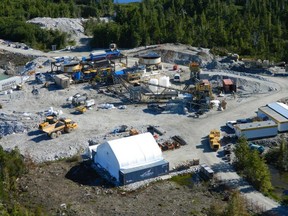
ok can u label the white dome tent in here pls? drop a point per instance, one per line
(131, 159)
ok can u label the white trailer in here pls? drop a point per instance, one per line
(10, 83)
(257, 130)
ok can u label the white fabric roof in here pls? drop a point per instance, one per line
(280, 108)
(136, 150)
(128, 152)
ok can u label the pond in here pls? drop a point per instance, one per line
(3, 76)
(279, 181)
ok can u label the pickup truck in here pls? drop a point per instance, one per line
(259, 148)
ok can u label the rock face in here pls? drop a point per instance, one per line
(10, 69)
(10, 61)
(73, 27)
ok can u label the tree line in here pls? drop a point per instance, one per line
(15, 13)
(257, 28)
(252, 166)
(279, 156)
(29, 9)
(253, 28)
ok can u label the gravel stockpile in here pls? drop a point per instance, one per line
(73, 27)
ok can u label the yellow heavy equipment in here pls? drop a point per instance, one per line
(48, 121)
(87, 104)
(133, 132)
(81, 109)
(194, 70)
(62, 125)
(214, 139)
(203, 90)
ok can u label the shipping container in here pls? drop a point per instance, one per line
(62, 81)
(206, 172)
(153, 170)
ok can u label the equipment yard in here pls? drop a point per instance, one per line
(22, 112)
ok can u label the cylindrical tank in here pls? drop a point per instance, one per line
(150, 60)
(152, 87)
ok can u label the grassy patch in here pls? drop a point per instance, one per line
(183, 180)
(195, 212)
(72, 159)
(284, 200)
(274, 196)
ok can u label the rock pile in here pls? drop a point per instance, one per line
(15, 123)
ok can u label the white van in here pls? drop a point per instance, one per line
(231, 124)
(176, 77)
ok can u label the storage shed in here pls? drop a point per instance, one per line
(62, 80)
(271, 114)
(256, 130)
(131, 159)
(228, 86)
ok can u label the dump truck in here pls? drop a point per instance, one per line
(214, 139)
(51, 119)
(61, 126)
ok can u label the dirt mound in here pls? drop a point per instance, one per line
(73, 27)
(70, 192)
(175, 53)
(16, 58)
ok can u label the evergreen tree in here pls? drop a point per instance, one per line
(236, 206)
(241, 154)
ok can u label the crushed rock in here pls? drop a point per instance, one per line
(16, 123)
(74, 27)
